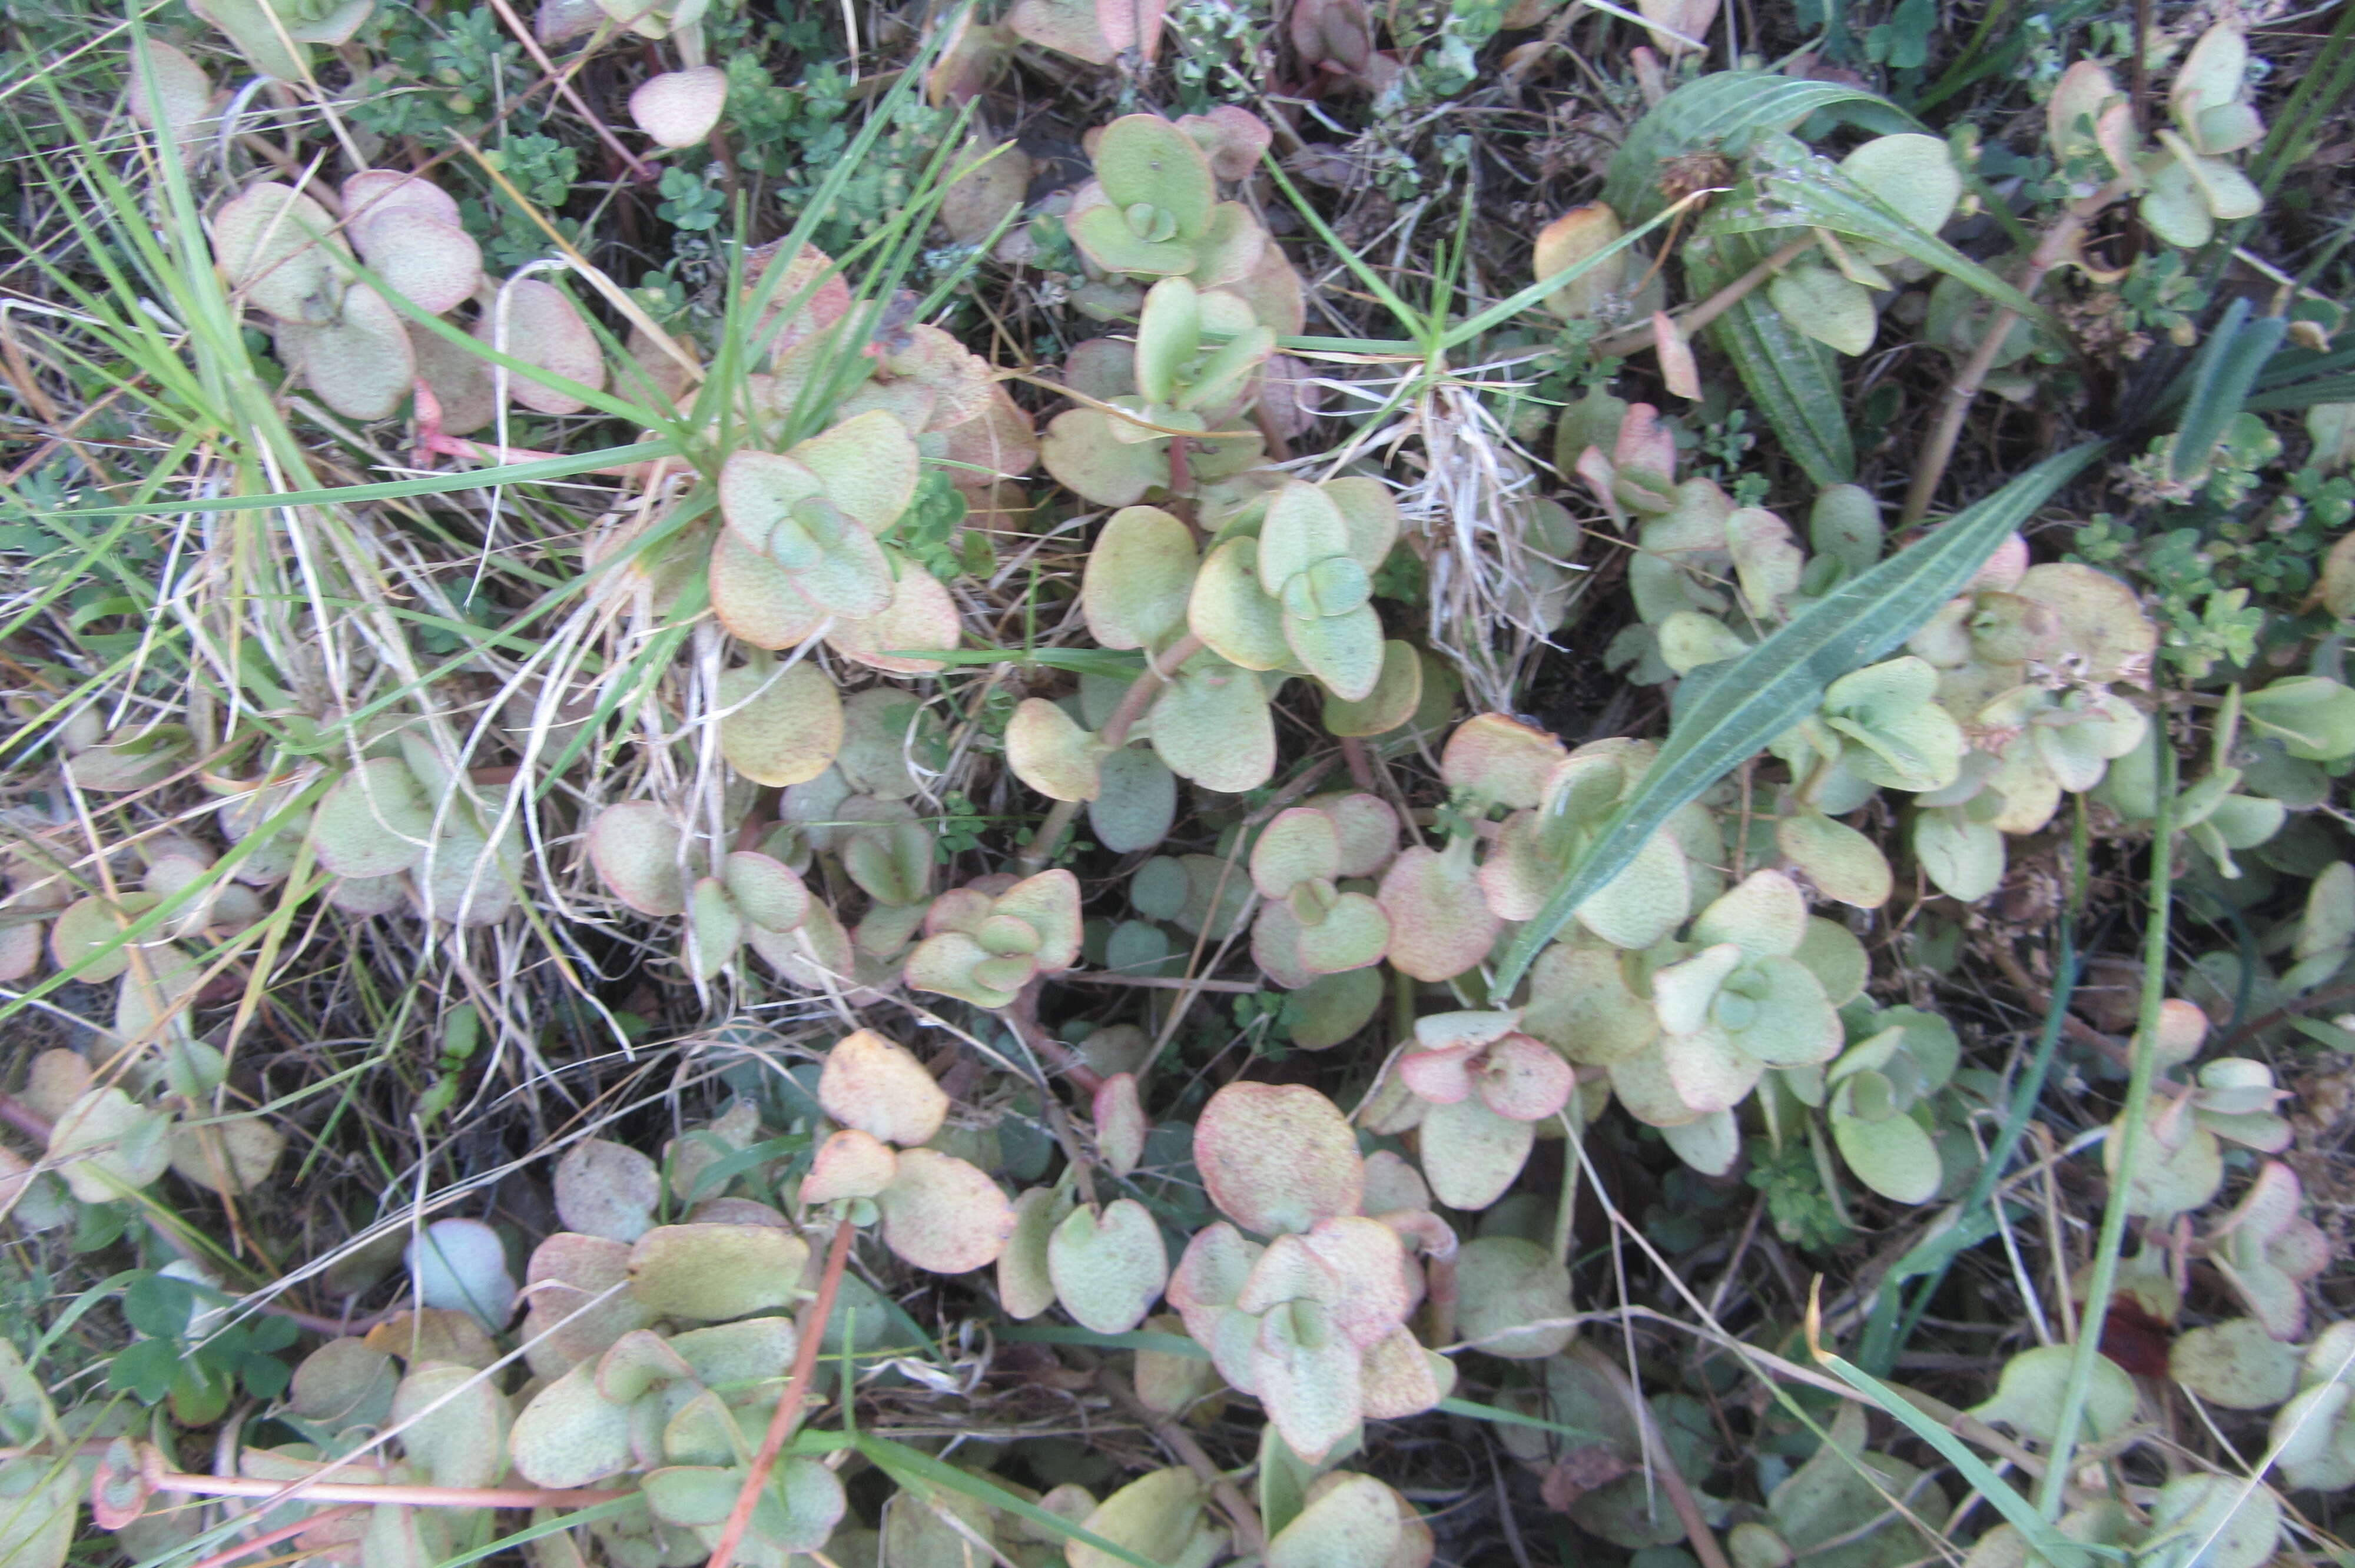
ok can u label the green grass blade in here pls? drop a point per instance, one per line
(538, 471)
(2221, 379)
(2018, 1511)
(1779, 681)
(904, 1463)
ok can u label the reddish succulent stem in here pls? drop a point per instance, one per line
(24, 1120)
(1021, 1015)
(402, 1496)
(789, 1408)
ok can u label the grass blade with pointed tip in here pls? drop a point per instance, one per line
(2220, 378)
(2018, 1511)
(902, 1464)
(1779, 683)
(1716, 112)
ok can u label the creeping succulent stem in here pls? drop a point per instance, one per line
(1113, 736)
(789, 1408)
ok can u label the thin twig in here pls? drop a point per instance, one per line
(1699, 1536)
(1250, 1533)
(1626, 340)
(2056, 247)
(524, 35)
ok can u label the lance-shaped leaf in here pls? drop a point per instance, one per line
(1781, 679)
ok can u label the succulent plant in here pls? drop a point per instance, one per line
(984, 945)
(1153, 209)
(1313, 1320)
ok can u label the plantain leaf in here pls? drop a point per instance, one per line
(1779, 681)
(1720, 112)
(1794, 379)
(1793, 186)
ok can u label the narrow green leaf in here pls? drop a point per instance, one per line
(1797, 188)
(902, 1463)
(1478, 1412)
(536, 472)
(1794, 379)
(1506, 309)
(2227, 367)
(1779, 683)
(2044, 1537)
(1720, 112)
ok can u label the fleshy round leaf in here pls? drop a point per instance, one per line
(1212, 724)
(715, 1271)
(944, 1215)
(1143, 159)
(274, 244)
(1893, 1156)
(570, 1435)
(1121, 1127)
(868, 464)
(361, 362)
(536, 323)
(1511, 1291)
(1109, 1271)
(1398, 692)
(374, 822)
(1138, 578)
(461, 1266)
(785, 725)
(679, 107)
(1440, 923)
(1136, 800)
(1155, 1517)
(453, 1424)
(1277, 1157)
(1025, 1286)
(2029, 1395)
(1470, 1154)
(2235, 1364)
(606, 1189)
(1507, 761)
(878, 1087)
(1051, 753)
(2237, 1524)
(634, 846)
(1232, 614)
(849, 1164)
